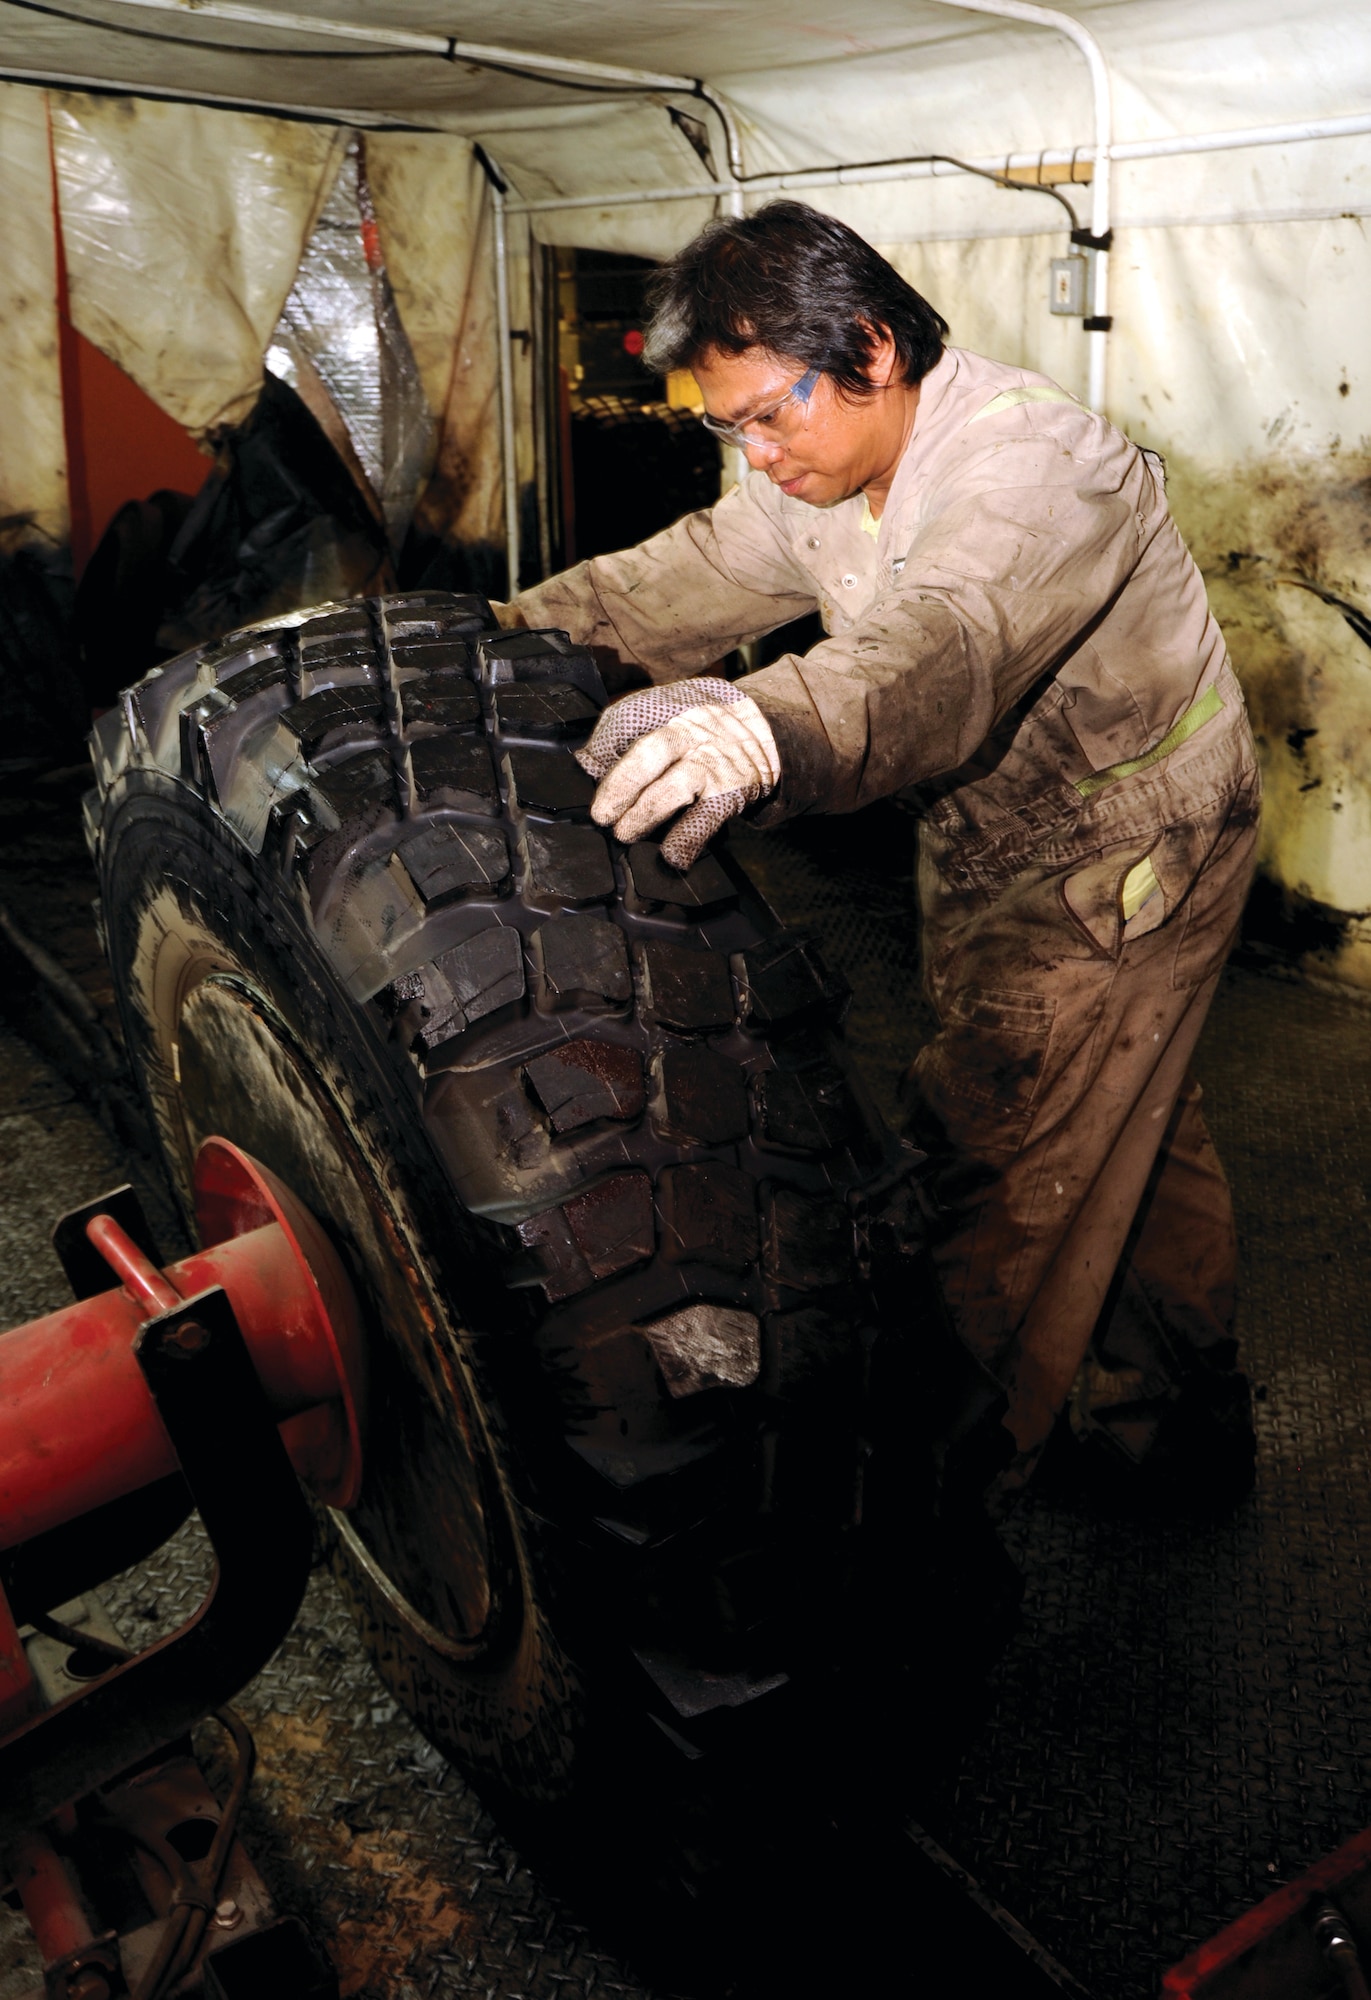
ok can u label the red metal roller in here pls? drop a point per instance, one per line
(79, 1428)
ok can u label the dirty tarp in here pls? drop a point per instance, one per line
(433, 213)
(1237, 353)
(183, 230)
(33, 463)
(341, 345)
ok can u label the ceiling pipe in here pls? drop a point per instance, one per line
(489, 55)
(499, 191)
(1097, 322)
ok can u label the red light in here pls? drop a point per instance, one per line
(633, 342)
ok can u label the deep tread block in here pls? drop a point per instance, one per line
(541, 656)
(359, 793)
(612, 1223)
(455, 771)
(582, 1081)
(547, 781)
(685, 989)
(700, 1095)
(806, 1244)
(435, 614)
(548, 710)
(565, 864)
(709, 1215)
(335, 716)
(446, 862)
(554, 1260)
(581, 961)
(444, 701)
(704, 886)
(270, 672)
(807, 1110)
(335, 638)
(462, 986)
(486, 972)
(806, 1352)
(786, 980)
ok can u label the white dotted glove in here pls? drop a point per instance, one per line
(697, 743)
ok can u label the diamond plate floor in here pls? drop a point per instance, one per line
(1185, 1718)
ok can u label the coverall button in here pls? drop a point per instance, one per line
(849, 583)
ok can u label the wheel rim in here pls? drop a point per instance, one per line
(430, 1518)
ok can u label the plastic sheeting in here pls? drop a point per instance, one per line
(33, 462)
(340, 324)
(1239, 353)
(433, 212)
(183, 230)
(1239, 281)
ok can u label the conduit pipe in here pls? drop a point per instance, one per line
(1356, 126)
(450, 48)
(569, 69)
(1097, 321)
(499, 189)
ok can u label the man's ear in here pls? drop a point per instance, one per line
(884, 358)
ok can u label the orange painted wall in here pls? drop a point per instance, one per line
(120, 446)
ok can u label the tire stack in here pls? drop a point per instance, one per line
(637, 467)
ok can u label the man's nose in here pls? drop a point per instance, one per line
(760, 454)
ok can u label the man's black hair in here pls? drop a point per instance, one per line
(797, 283)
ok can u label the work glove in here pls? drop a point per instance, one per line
(697, 743)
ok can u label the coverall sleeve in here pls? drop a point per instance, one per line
(676, 604)
(1020, 554)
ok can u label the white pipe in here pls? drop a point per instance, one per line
(508, 462)
(1066, 24)
(416, 41)
(571, 68)
(814, 177)
(733, 199)
(1253, 135)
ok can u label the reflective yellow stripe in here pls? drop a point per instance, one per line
(1010, 399)
(1139, 884)
(1201, 711)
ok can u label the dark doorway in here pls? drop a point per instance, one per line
(633, 453)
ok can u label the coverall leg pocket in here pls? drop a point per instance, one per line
(979, 1075)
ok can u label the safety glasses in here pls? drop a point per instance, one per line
(768, 426)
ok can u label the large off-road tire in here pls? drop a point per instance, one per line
(584, 1133)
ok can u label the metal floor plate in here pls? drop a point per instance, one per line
(1185, 1718)
(1184, 1721)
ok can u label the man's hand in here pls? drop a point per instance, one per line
(697, 743)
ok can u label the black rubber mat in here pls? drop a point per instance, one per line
(1184, 1721)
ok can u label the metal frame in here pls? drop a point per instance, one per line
(216, 1414)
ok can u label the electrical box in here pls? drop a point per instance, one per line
(1066, 292)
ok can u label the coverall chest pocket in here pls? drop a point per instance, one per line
(980, 1073)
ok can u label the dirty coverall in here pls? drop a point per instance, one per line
(1025, 652)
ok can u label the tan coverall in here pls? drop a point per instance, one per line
(1026, 652)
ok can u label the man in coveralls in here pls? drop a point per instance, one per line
(1019, 645)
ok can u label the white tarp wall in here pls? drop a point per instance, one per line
(33, 462)
(183, 229)
(1240, 287)
(1240, 280)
